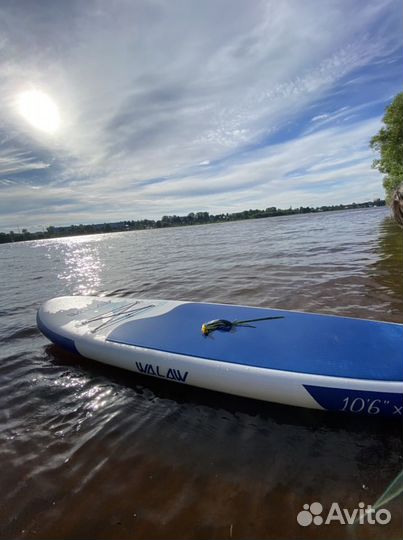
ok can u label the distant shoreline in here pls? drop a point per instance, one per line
(193, 218)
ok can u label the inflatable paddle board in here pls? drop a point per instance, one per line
(307, 360)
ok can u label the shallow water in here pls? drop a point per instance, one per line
(90, 451)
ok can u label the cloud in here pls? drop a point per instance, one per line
(334, 154)
(319, 117)
(334, 167)
(170, 107)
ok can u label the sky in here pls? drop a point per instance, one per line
(120, 110)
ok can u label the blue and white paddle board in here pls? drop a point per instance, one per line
(302, 359)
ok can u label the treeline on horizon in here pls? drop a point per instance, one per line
(194, 218)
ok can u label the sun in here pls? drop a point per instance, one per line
(39, 110)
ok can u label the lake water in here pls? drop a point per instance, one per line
(88, 451)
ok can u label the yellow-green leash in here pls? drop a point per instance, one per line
(225, 326)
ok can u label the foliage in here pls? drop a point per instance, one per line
(389, 143)
(198, 218)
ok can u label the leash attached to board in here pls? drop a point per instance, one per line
(226, 326)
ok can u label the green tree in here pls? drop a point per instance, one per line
(389, 143)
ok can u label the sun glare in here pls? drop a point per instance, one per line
(39, 110)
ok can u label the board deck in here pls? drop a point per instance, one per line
(304, 359)
(300, 342)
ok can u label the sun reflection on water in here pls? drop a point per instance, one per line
(83, 267)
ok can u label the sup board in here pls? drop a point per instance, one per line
(308, 360)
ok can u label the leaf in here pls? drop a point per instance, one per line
(394, 489)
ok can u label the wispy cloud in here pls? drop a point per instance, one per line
(173, 107)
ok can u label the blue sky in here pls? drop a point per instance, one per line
(174, 107)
